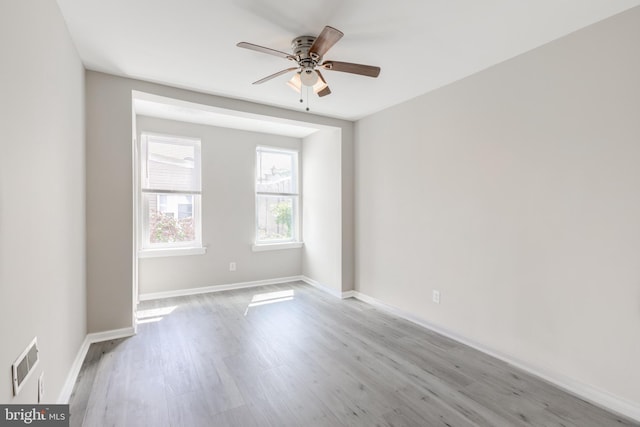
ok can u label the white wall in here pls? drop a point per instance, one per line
(228, 214)
(322, 215)
(347, 159)
(42, 226)
(516, 193)
(110, 265)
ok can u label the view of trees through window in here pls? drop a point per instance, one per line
(171, 218)
(275, 218)
(170, 181)
(276, 195)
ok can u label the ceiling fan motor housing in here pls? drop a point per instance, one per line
(300, 47)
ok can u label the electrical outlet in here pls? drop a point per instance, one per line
(232, 266)
(436, 296)
(41, 388)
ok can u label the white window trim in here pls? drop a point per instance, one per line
(296, 241)
(276, 246)
(169, 249)
(167, 252)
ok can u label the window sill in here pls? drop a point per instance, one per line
(156, 253)
(276, 246)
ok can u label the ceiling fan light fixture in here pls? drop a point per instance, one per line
(296, 84)
(308, 77)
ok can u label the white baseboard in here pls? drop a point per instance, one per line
(309, 281)
(348, 294)
(70, 381)
(110, 335)
(89, 339)
(328, 289)
(242, 285)
(594, 395)
(217, 288)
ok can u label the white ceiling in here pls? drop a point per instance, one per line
(419, 44)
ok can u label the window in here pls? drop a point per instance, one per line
(277, 196)
(170, 192)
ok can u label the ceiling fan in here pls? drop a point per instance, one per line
(308, 53)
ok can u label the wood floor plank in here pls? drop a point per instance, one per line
(84, 383)
(252, 357)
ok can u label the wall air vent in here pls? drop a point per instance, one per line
(24, 365)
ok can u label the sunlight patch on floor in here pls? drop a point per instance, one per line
(270, 298)
(151, 315)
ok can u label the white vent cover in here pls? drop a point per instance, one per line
(23, 366)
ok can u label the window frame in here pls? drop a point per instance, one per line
(295, 241)
(146, 249)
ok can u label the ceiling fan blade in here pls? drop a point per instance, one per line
(348, 67)
(325, 91)
(273, 76)
(263, 49)
(327, 38)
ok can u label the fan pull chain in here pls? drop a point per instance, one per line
(307, 97)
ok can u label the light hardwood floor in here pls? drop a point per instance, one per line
(291, 355)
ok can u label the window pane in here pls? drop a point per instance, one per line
(275, 218)
(170, 218)
(170, 166)
(276, 172)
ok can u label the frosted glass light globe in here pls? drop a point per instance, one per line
(308, 77)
